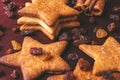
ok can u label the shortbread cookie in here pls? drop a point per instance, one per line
(55, 31)
(68, 22)
(106, 56)
(33, 63)
(78, 74)
(48, 10)
(37, 27)
(84, 75)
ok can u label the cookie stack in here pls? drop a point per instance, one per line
(49, 16)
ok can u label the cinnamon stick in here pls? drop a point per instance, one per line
(79, 5)
(90, 7)
(99, 7)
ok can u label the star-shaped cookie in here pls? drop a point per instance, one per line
(48, 10)
(34, 65)
(78, 74)
(106, 56)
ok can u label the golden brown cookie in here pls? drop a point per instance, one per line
(67, 23)
(33, 63)
(106, 56)
(78, 74)
(38, 27)
(48, 10)
(11, 59)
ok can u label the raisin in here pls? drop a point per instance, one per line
(84, 65)
(69, 76)
(111, 27)
(101, 33)
(76, 43)
(73, 56)
(116, 9)
(92, 20)
(78, 31)
(14, 74)
(82, 31)
(1, 73)
(10, 14)
(36, 51)
(75, 37)
(64, 36)
(94, 42)
(6, 1)
(16, 29)
(74, 31)
(27, 32)
(10, 6)
(82, 40)
(1, 33)
(114, 17)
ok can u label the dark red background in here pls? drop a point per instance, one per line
(8, 24)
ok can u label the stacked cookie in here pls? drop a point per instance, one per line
(48, 16)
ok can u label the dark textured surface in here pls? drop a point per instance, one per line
(8, 24)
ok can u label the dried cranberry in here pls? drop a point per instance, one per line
(6, 1)
(1, 73)
(69, 76)
(84, 65)
(73, 56)
(10, 6)
(27, 32)
(111, 26)
(64, 36)
(92, 20)
(14, 74)
(36, 51)
(10, 14)
(114, 17)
